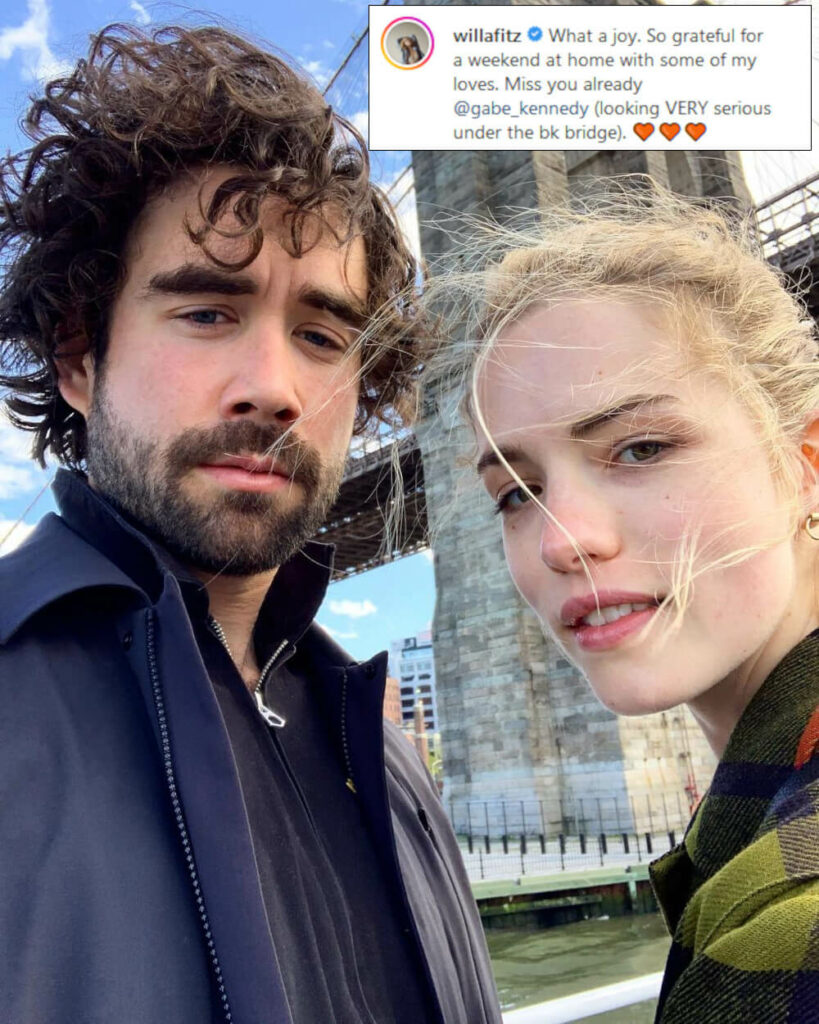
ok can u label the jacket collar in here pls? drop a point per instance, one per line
(56, 560)
(761, 762)
(294, 598)
(91, 544)
(759, 759)
(106, 529)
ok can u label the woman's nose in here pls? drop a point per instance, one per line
(577, 523)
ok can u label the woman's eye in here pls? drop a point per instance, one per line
(515, 499)
(640, 451)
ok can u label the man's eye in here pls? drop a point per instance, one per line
(321, 339)
(203, 317)
(515, 499)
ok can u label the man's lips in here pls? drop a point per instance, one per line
(576, 608)
(245, 473)
(250, 464)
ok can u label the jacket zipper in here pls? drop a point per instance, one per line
(270, 717)
(170, 779)
(402, 888)
(268, 714)
(344, 742)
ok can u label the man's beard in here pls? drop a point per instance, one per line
(237, 533)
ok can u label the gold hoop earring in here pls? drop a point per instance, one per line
(810, 524)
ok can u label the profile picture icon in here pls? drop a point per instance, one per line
(407, 43)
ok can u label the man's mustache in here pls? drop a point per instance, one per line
(299, 460)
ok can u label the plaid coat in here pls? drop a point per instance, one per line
(740, 895)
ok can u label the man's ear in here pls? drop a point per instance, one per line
(75, 372)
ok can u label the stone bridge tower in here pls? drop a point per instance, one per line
(517, 721)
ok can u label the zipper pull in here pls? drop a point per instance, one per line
(351, 786)
(270, 716)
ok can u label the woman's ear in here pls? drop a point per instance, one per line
(810, 441)
(75, 372)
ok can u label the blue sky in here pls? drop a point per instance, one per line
(38, 36)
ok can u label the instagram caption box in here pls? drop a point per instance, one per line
(535, 77)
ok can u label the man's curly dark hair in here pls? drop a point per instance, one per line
(128, 121)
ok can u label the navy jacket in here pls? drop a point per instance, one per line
(128, 887)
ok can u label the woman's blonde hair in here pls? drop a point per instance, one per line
(699, 264)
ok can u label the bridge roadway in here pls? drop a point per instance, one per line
(356, 524)
(787, 225)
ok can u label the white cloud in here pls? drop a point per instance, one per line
(31, 40)
(319, 70)
(387, 181)
(15, 480)
(141, 16)
(16, 533)
(15, 444)
(339, 634)
(19, 475)
(361, 120)
(353, 609)
(429, 554)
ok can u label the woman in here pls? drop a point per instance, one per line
(645, 400)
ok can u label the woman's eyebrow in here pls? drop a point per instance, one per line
(511, 453)
(586, 426)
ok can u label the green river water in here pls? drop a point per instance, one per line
(533, 966)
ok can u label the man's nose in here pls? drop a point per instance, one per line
(579, 518)
(264, 378)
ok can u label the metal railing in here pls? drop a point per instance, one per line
(588, 1004)
(491, 824)
(567, 853)
(786, 224)
(516, 838)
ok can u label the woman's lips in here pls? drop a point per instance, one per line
(237, 479)
(576, 608)
(610, 634)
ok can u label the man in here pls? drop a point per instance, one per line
(202, 817)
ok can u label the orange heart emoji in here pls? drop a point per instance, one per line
(696, 131)
(670, 130)
(643, 129)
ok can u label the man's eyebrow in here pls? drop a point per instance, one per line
(512, 453)
(352, 313)
(586, 426)
(196, 279)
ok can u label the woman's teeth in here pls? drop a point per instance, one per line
(612, 613)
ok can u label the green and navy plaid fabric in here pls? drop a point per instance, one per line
(740, 895)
